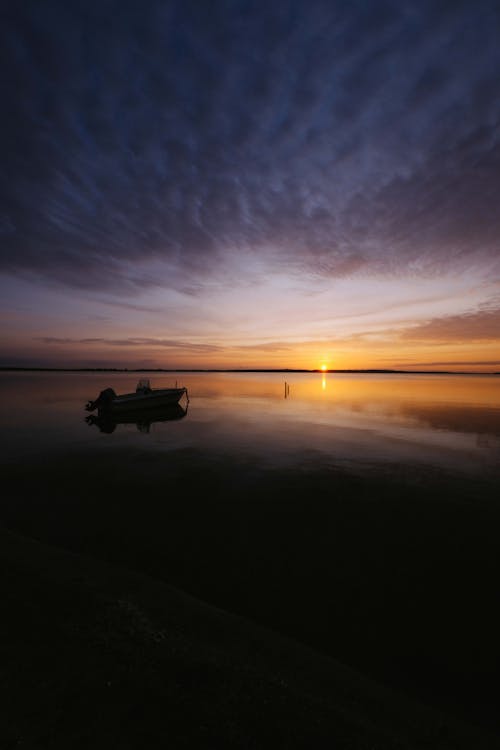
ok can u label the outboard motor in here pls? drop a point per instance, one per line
(102, 401)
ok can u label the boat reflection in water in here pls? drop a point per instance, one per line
(107, 421)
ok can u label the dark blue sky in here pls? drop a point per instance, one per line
(340, 133)
(174, 144)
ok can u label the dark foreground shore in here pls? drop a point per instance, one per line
(96, 656)
(329, 574)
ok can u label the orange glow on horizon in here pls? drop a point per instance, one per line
(120, 348)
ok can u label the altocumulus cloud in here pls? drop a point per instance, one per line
(189, 136)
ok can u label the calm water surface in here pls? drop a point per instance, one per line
(358, 514)
(445, 421)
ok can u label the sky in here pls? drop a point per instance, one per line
(247, 184)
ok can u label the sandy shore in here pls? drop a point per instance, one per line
(97, 656)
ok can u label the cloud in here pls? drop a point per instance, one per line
(187, 346)
(133, 342)
(123, 305)
(480, 325)
(336, 138)
(454, 363)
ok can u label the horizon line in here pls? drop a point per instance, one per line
(14, 368)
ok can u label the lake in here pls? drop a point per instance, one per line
(358, 513)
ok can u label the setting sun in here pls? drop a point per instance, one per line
(324, 368)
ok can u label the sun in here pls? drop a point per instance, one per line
(324, 368)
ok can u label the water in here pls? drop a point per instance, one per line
(451, 422)
(356, 513)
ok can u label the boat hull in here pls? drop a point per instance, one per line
(139, 402)
(142, 399)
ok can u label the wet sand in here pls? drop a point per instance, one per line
(298, 583)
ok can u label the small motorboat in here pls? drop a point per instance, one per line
(145, 397)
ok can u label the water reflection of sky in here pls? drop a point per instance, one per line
(449, 421)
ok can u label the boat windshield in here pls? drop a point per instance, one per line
(143, 386)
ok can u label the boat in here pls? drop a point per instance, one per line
(142, 418)
(145, 397)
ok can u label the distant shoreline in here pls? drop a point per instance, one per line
(243, 370)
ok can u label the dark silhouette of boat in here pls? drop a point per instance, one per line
(107, 421)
